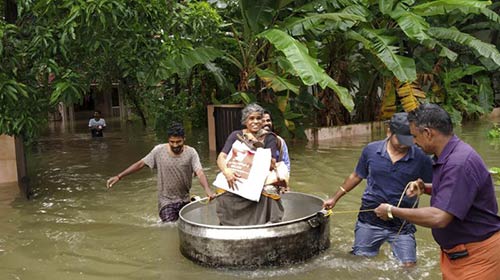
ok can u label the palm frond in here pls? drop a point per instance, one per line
(483, 49)
(388, 107)
(413, 25)
(219, 76)
(402, 67)
(187, 59)
(275, 82)
(491, 15)
(298, 26)
(306, 67)
(485, 25)
(443, 7)
(409, 94)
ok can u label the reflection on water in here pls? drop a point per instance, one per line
(76, 229)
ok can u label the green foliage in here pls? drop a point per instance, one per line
(167, 109)
(276, 82)
(443, 7)
(22, 107)
(383, 47)
(485, 50)
(60, 47)
(495, 173)
(306, 67)
(467, 92)
(494, 133)
(183, 61)
(294, 57)
(197, 18)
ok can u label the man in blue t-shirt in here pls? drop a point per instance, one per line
(388, 166)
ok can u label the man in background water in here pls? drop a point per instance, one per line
(97, 124)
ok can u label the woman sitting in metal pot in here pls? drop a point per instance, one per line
(239, 161)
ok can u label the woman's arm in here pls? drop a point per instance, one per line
(231, 176)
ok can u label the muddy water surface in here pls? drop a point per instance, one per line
(76, 229)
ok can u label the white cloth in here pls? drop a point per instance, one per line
(94, 124)
(252, 166)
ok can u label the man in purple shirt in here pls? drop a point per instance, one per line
(463, 212)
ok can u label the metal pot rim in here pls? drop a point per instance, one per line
(184, 220)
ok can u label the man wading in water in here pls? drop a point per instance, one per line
(387, 165)
(175, 163)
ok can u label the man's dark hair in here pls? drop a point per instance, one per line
(175, 129)
(269, 113)
(431, 116)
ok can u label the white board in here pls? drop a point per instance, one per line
(252, 166)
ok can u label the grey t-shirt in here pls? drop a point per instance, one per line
(175, 172)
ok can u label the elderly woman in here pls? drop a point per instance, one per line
(234, 210)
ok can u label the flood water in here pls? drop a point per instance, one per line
(74, 228)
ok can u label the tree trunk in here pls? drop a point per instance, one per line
(243, 84)
(22, 169)
(10, 14)
(132, 97)
(203, 90)
(177, 85)
(367, 107)
(137, 106)
(10, 11)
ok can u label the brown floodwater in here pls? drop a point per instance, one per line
(74, 228)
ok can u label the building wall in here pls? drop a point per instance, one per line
(334, 132)
(103, 103)
(8, 163)
(495, 113)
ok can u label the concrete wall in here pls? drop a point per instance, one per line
(8, 162)
(335, 132)
(13, 166)
(361, 129)
(495, 113)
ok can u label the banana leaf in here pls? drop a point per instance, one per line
(443, 7)
(388, 107)
(274, 81)
(403, 68)
(219, 77)
(413, 25)
(257, 14)
(306, 67)
(409, 94)
(483, 49)
(456, 74)
(183, 62)
(486, 93)
(386, 6)
(298, 26)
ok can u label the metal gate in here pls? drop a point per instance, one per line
(222, 120)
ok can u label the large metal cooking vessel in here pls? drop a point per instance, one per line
(303, 233)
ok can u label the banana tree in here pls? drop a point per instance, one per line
(274, 66)
(415, 22)
(392, 35)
